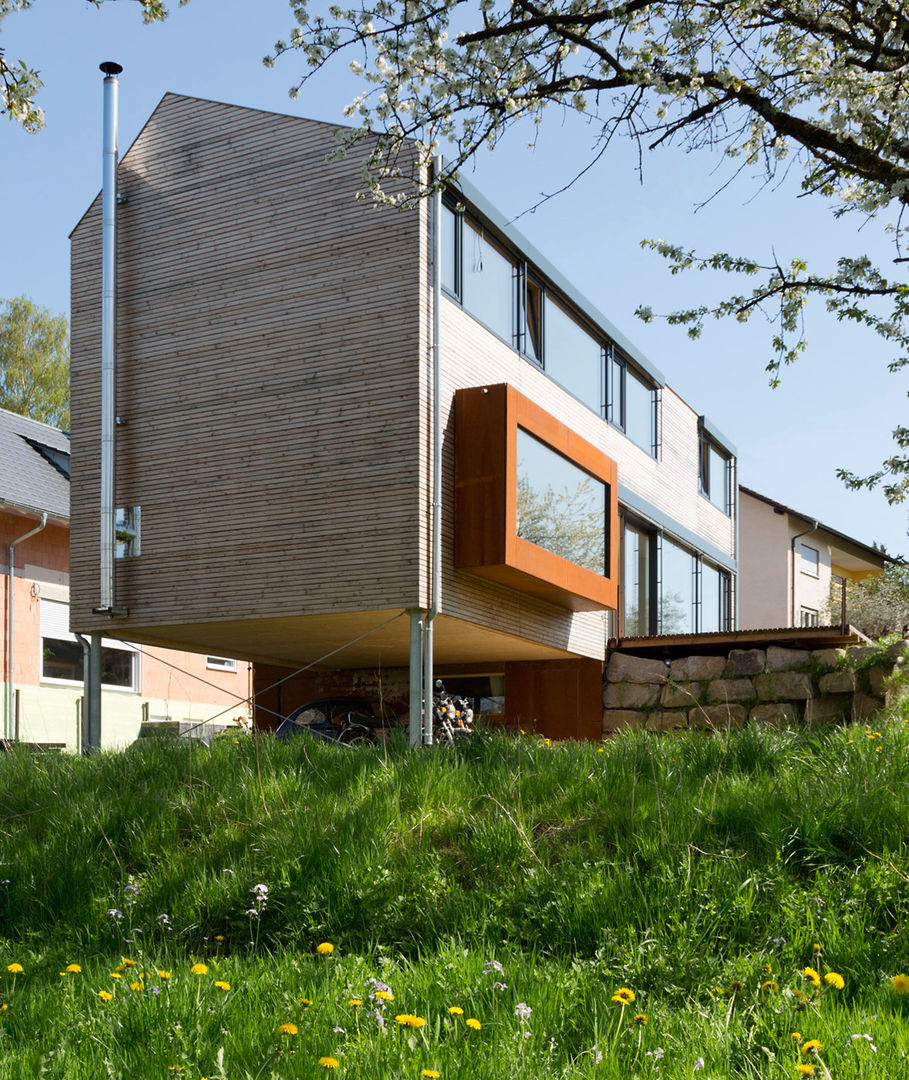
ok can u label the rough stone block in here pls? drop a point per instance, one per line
(717, 716)
(787, 659)
(899, 650)
(624, 668)
(744, 662)
(779, 714)
(876, 680)
(626, 695)
(682, 694)
(667, 720)
(870, 656)
(838, 682)
(697, 667)
(865, 706)
(780, 685)
(620, 719)
(828, 710)
(827, 659)
(722, 690)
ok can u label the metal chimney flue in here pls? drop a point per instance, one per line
(108, 330)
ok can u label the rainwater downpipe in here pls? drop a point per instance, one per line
(436, 537)
(815, 525)
(108, 330)
(10, 625)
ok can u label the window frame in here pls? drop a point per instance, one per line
(107, 644)
(809, 617)
(816, 572)
(221, 663)
(705, 444)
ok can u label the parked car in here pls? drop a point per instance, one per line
(344, 719)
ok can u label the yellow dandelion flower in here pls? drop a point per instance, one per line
(900, 984)
(355, 1001)
(805, 1069)
(3, 1007)
(455, 1010)
(287, 1029)
(475, 1025)
(128, 963)
(137, 986)
(599, 749)
(623, 996)
(811, 1047)
(325, 948)
(221, 985)
(416, 1022)
(812, 976)
(385, 995)
(816, 946)
(73, 969)
(116, 975)
(433, 1074)
(163, 974)
(219, 937)
(835, 980)
(797, 1036)
(641, 1019)
(328, 1062)
(15, 969)
(770, 987)
(735, 987)
(402, 1018)
(304, 1001)
(105, 995)
(199, 969)
(767, 969)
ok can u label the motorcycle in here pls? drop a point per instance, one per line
(452, 717)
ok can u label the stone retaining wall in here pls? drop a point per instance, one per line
(773, 686)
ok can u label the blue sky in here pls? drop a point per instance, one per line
(836, 407)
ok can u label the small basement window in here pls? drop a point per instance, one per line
(221, 663)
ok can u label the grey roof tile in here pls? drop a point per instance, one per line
(34, 461)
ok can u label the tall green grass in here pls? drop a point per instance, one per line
(684, 867)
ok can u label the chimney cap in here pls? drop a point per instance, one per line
(111, 67)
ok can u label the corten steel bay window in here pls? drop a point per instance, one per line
(536, 504)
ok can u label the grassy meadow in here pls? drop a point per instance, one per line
(697, 905)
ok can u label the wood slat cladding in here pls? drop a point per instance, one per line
(269, 354)
(487, 420)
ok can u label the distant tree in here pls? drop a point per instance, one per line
(568, 522)
(19, 84)
(877, 606)
(34, 362)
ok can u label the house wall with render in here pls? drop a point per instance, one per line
(169, 683)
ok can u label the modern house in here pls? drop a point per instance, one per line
(792, 567)
(291, 359)
(42, 661)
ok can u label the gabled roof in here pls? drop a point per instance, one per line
(848, 546)
(34, 466)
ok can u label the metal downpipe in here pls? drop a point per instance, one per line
(436, 537)
(10, 627)
(108, 332)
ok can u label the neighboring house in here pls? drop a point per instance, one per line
(791, 566)
(42, 701)
(275, 380)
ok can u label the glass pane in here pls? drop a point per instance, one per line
(533, 315)
(559, 506)
(449, 249)
(638, 411)
(116, 667)
(719, 483)
(488, 283)
(637, 582)
(614, 403)
(61, 659)
(809, 560)
(573, 356)
(677, 593)
(711, 599)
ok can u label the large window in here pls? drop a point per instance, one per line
(487, 282)
(61, 653)
(559, 507)
(715, 471)
(631, 402)
(507, 296)
(810, 561)
(669, 589)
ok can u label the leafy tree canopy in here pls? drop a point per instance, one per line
(877, 606)
(34, 362)
(819, 85)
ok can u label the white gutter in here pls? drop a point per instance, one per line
(8, 716)
(436, 539)
(108, 332)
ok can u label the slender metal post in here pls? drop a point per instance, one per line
(93, 739)
(108, 331)
(416, 676)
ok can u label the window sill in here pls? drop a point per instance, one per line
(77, 684)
